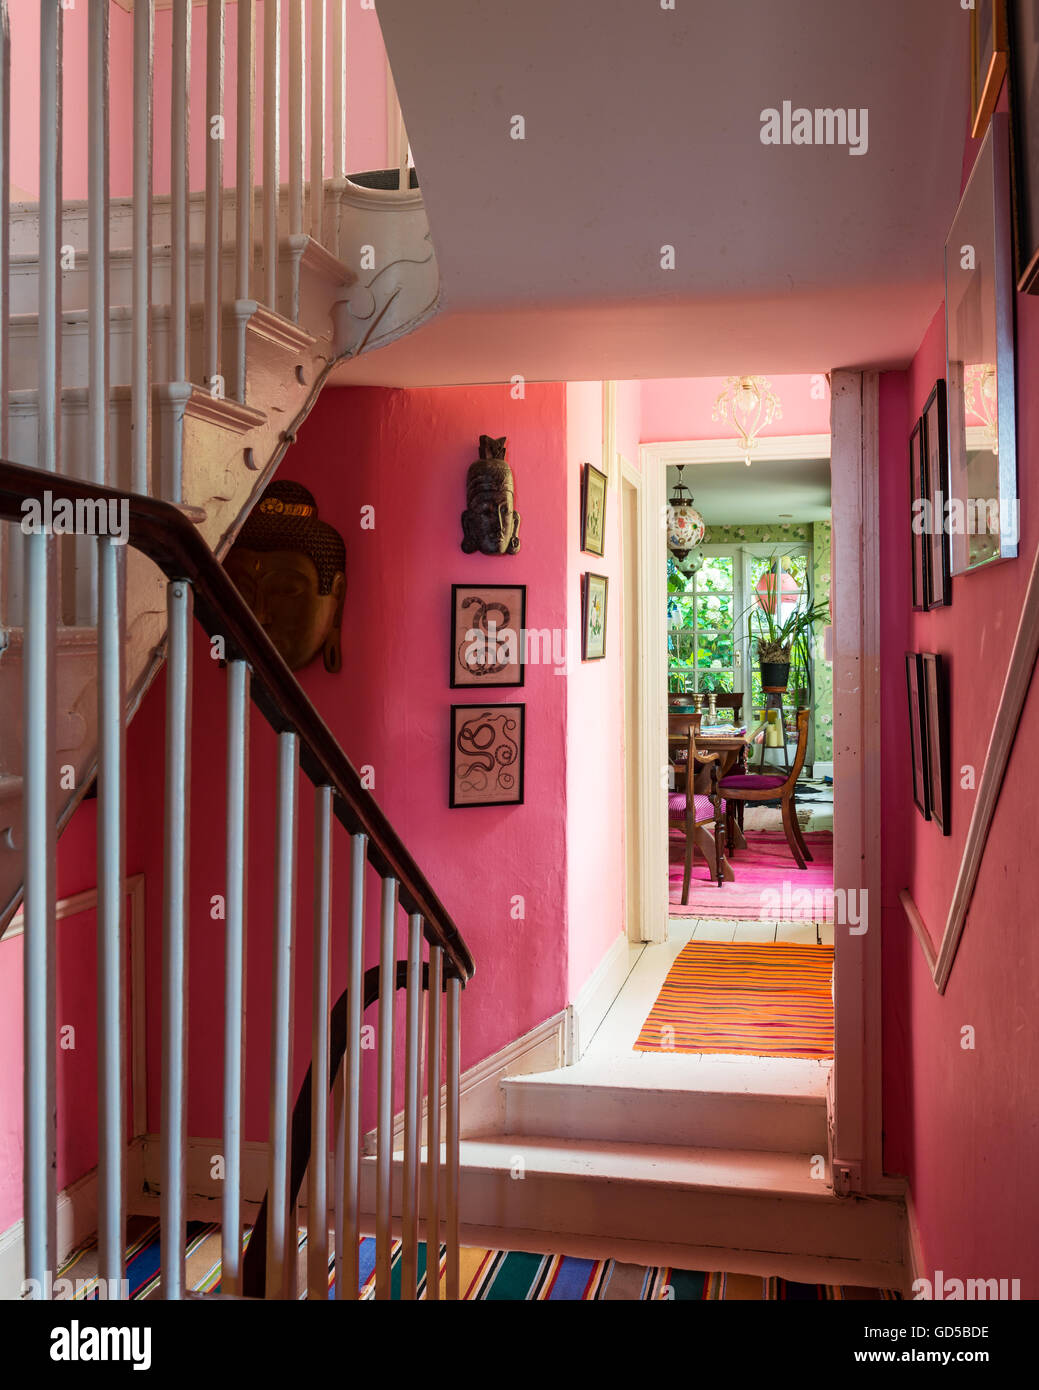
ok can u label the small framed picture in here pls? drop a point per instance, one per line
(486, 755)
(936, 727)
(918, 732)
(918, 514)
(936, 488)
(988, 60)
(593, 617)
(488, 624)
(593, 510)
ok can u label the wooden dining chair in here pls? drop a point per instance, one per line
(733, 700)
(690, 810)
(746, 787)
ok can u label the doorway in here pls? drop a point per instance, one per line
(855, 1102)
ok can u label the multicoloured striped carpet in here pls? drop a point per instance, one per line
(485, 1275)
(763, 999)
(768, 885)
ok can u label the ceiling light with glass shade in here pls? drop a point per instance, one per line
(750, 403)
(685, 525)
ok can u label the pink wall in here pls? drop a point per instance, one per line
(405, 453)
(680, 408)
(595, 716)
(962, 1123)
(365, 96)
(76, 1008)
(407, 456)
(25, 99)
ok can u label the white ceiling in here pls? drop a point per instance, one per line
(643, 129)
(731, 494)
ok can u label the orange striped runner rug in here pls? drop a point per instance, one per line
(767, 999)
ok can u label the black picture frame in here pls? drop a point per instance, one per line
(459, 680)
(935, 441)
(502, 778)
(594, 484)
(1023, 41)
(936, 716)
(918, 515)
(918, 733)
(593, 642)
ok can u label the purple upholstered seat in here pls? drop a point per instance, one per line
(752, 781)
(703, 806)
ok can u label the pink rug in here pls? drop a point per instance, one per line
(768, 885)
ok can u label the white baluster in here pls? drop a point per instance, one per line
(317, 119)
(173, 1115)
(338, 89)
(48, 454)
(271, 146)
(317, 1188)
(140, 377)
(213, 299)
(246, 79)
(436, 965)
(281, 1238)
(451, 1169)
(38, 677)
(235, 897)
(412, 1086)
(297, 116)
(347, 1260)
(111, 912)
(384, 1140)
(180, 100)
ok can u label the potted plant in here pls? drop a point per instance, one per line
(779, 636)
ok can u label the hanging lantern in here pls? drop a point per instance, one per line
(685, 525)
(751, 404)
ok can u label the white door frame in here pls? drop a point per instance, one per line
(853, 450)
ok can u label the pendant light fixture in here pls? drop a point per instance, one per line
(685, 525)
(751, 404)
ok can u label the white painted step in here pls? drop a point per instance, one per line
(652, 1195)
(75, 284)
(661, 1108)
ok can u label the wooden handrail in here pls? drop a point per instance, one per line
(163, 533)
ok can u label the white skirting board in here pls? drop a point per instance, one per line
(915, 1261)
(77, 1219)
(596, 995)
(481, 1099)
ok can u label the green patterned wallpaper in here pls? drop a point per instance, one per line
(818, 535)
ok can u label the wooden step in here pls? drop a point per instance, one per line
(742, 1210)
(785, 1113)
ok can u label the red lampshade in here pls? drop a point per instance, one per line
(766, 589)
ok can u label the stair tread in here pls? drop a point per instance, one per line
(719, 1170)
(662, 1073)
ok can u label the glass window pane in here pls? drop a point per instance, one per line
(715, 574)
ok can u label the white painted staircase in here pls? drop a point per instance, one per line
(212, 454)
(710, 1163)
(730, 1175)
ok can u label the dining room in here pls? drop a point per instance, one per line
(748, 693)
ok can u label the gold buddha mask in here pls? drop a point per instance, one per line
(290, 568)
